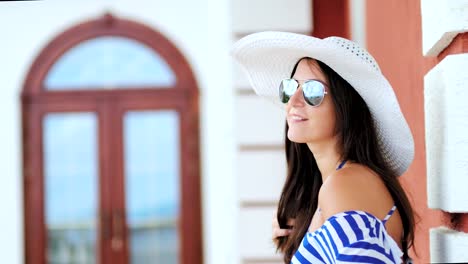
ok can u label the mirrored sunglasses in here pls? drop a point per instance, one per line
(312, 90)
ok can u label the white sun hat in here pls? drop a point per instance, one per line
(269, 57)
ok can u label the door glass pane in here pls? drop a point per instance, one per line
(109, 63)
(152, 185)
(71, 184)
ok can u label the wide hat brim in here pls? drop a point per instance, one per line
(269, 57)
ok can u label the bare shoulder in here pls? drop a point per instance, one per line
(354, 187)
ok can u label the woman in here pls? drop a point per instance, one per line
(346, 143)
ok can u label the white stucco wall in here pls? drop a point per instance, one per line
(448, 246)
(445, 94)
(446, 116)
(200, 29)
(259, 126)
(441, 22)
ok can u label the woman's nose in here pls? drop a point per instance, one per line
(297, 99)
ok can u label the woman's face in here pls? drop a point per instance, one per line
(308, 124)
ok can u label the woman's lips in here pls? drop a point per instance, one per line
(296, 118)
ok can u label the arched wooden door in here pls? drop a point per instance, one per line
(111, 152)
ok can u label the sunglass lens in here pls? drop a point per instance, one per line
(287, 89)
(314, 92)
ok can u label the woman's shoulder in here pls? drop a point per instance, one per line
(351, 178)
(354, 187)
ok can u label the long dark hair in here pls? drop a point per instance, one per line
(358, 140)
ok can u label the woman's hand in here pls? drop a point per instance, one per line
(278, 232)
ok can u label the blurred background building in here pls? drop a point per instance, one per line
(130, 136)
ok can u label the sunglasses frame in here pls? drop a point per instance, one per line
(300, 84)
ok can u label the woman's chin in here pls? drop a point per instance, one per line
(297, 138)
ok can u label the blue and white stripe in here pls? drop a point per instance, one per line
(349, 237)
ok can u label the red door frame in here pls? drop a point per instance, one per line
(36, 102)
